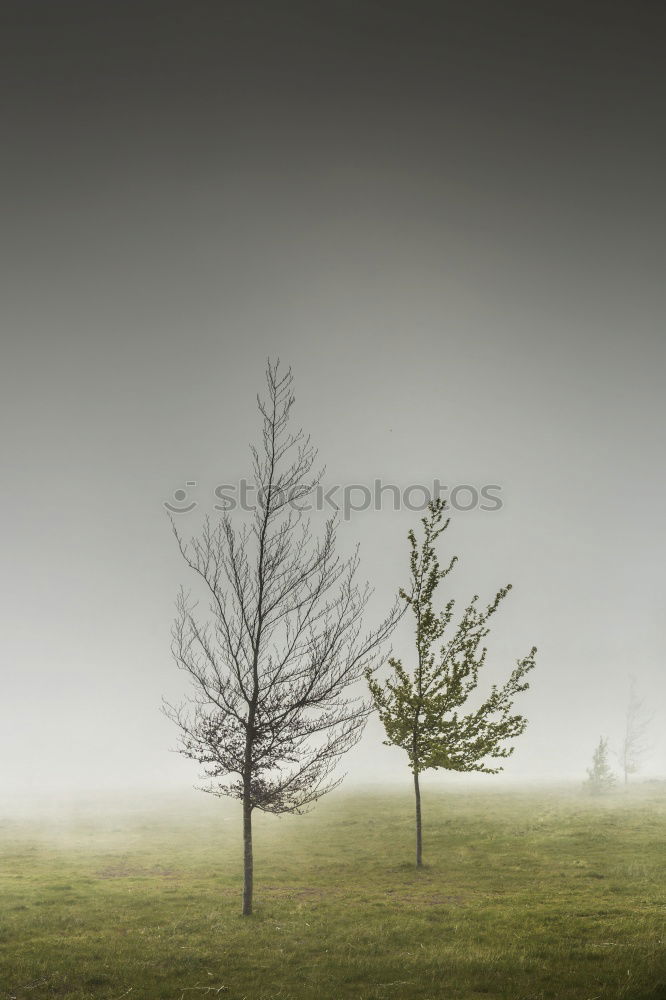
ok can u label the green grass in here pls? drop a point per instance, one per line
(524, 897)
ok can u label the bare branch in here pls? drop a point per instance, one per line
(268, 717)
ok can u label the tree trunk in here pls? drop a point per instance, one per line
(417, 793)
(247, 856)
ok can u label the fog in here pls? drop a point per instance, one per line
(449, 221)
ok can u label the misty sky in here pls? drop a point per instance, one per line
(448, 218)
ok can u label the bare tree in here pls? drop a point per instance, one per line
(635, 744)
(271, 665)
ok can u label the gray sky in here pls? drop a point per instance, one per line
(448, 218)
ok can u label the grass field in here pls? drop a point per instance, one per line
(524, 897)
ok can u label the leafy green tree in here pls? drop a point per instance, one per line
(420, 710)
(600, 778)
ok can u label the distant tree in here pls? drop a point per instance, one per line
(420, 709)
(635, 745)
(272, 664)
(600, 778)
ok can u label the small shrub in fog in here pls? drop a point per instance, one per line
(600, 778)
